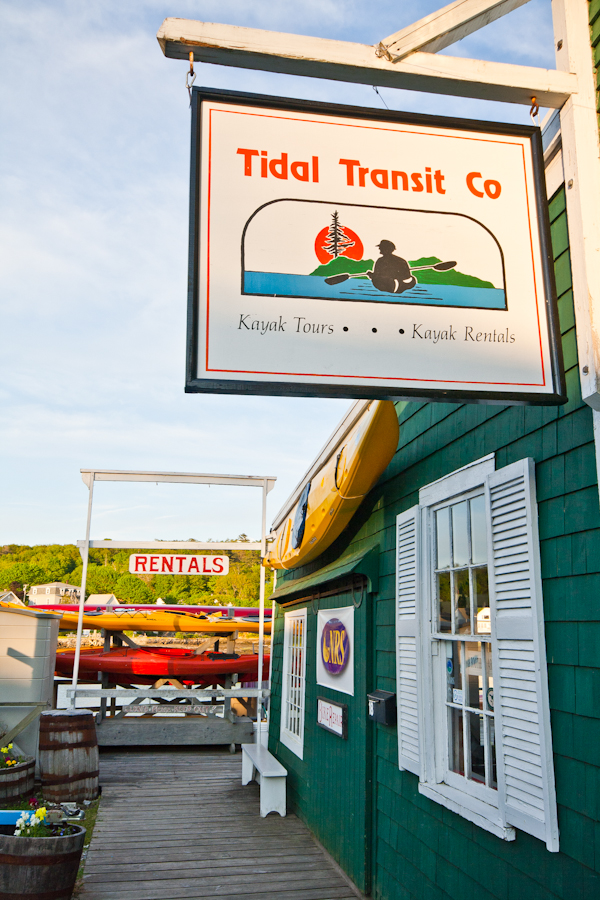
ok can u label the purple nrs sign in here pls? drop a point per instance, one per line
(335, 646)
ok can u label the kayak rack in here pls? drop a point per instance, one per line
(152, 729)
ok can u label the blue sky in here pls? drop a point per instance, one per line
(93, 257)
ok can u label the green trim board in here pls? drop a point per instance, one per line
(363, 562)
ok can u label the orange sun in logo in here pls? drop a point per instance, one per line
(337, 240)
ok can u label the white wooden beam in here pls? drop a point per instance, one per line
(272, 51)
(446, 26)
(89, 475)
(173, 545)
(579, 131)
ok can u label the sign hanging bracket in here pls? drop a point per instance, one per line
(190, 77)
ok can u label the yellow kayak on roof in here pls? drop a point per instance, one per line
(148, 620)
(330, 498)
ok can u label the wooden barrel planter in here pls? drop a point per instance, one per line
(39, 868)
(68, 755)
(17, 781)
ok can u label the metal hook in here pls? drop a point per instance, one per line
(535, 109)
(382, 52)
(188, 82)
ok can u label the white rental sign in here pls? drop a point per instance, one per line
(169, 564)
(345, 252)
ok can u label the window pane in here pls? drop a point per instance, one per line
(492, 751)
(445, 606)
(442, 521)
(462, 602)
(474, 675)
(460, 534)
(456, 751)
(489, 690)
(481, 600)
(478, 531)
(453, 673)
(477, 746)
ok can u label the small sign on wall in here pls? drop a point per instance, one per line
(335, 649)
(332, 716)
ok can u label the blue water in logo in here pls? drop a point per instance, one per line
(274, 284)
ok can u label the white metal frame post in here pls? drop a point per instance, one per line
(407, 60)
(90, 476)
(85, 554)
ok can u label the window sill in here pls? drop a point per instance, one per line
(292, 743)
(481, 814)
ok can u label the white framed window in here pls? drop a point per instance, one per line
(473, 711)
(293, 681)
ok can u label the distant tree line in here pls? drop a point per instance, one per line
(108, 573)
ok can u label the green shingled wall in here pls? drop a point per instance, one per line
(330, 787)
(422, 851)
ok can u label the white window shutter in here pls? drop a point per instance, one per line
(526, 788)
(407, 645)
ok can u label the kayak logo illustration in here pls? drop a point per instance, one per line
(316, 249)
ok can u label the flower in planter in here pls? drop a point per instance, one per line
(7, 758)
(32, 825)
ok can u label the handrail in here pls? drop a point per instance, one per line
(167, 692)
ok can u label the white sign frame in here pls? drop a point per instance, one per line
(344, 681)
(215, 347)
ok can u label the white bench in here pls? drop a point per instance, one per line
(271, 777)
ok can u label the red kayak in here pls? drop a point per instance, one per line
(146, 665)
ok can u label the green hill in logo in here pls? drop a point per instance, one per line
(341, 264)
(430, 276)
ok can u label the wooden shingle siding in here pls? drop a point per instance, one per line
(333, 804)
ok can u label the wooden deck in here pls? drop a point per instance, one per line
(177, 824)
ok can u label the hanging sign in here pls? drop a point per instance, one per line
(335, 649)
(350, 252)
(169, 564)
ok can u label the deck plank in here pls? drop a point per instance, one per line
(177, 824)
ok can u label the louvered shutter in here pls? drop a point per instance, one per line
(407, 654)
(524, 743)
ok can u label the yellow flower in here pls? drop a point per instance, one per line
(10, 746)
(3, 749)
(40, 812)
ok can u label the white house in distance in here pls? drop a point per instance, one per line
(10, 597)
(56, 592)
(102, 600)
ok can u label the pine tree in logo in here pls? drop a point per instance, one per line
(337, 241)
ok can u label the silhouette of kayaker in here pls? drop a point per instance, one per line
(391, 273)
